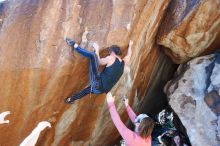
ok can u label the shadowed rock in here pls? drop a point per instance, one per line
(196, 100)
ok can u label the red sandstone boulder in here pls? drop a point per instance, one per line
(38, 70)
(189, 28)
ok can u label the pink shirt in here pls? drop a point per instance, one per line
(130, 137)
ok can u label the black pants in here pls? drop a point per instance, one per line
(94, 75)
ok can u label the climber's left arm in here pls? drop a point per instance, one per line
(102, 61)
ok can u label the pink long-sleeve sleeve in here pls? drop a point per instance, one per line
(130, 137)
(131, 113)
(126, 133)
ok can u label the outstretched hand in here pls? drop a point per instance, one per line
(2, 117)
(110, 98)
(125, 100)
(43, 125)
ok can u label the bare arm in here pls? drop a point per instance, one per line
(102, 61)
(128, 56)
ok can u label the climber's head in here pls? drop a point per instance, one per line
(144, 125)
(116, 49)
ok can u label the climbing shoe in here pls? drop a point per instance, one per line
(68, 100)
(70, 42)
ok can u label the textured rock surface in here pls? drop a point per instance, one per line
(38, 70)
(189, 28)
(194, 94)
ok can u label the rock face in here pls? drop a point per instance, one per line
(194, 94)
(189, 28)
(38, 70)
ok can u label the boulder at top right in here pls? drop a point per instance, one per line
(190, 28)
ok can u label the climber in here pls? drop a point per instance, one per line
(143, 124)
(104, 81)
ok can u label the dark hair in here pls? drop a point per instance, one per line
(166, 138)
(181, 140)
(116, 49)
(146, 127)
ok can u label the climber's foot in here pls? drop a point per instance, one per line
(70, 42)
(68, 100)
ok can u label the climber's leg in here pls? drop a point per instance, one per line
(94, 65)
(78, 95)
(94, 74)
(80, 50)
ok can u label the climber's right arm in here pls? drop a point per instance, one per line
(128, 56)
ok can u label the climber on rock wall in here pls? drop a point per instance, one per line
(101, 82)
(141, 136)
